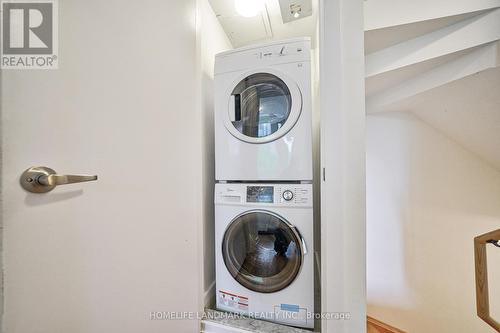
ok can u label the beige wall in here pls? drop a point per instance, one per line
(212, 40)
(427, 198)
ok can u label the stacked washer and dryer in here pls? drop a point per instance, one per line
(263, 194)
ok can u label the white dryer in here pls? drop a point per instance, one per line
(264, 251)
(263, 127)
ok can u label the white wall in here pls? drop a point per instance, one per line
(211, 40)
(427, 198)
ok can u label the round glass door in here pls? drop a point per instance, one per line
(260, 105)
(262, 251)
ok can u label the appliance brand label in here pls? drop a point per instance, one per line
(237, 302)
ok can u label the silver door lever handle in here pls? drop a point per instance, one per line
(43, 179)
(51, 180)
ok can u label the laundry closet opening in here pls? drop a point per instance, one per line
(259, 88)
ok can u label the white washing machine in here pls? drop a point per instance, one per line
(263, 127)
(264, 251)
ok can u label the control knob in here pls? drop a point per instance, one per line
(288, 195)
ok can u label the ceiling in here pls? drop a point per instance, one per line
(267, 26)
(466, 110)
(463, 103)
(378, 39)
(379, 83)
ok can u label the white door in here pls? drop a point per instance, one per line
(101, 256)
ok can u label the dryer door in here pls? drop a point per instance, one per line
(262, 251)
(263, 106)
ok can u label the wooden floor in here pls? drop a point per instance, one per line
(375, 326)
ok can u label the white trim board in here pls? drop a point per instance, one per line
(342, 105)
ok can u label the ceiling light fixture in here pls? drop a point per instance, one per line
(248, 8)
(295, 10)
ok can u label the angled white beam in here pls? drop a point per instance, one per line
(474, 62)
(387, 13)
(477, 30)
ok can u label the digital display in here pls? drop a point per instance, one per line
(263, 194)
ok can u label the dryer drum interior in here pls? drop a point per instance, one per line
(262, 251)
(262, 104)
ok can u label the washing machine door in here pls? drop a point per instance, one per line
(262, 251)
(263, 106)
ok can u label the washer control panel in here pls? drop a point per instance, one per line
(260, 194)
(295, 194)
(264, 194)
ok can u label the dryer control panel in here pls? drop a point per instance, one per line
(281, 194)
(260, 56)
